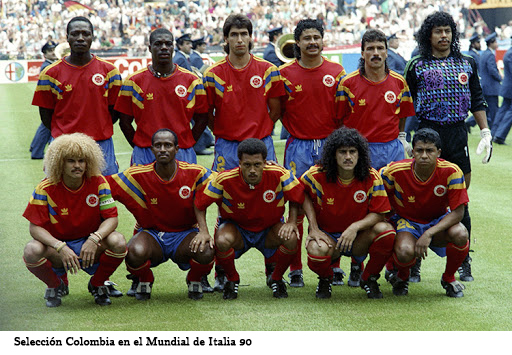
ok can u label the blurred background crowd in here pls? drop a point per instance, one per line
(122, 26)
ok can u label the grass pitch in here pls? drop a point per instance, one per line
(486, 304)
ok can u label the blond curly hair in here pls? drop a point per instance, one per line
(77, 146)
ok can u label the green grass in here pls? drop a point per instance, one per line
(486, 305)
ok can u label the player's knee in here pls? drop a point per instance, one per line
(318, 249)
(206, 256)
(404, 252)
(382, 227)
(458, 235)
(33, 251)
(137, 253)
(116, 242)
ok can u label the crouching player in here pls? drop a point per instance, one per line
(72, 221)
(345, 206)
(251, 199)
(428, 195)
(161, 196)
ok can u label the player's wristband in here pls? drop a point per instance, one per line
(94, 238)
(98, 235)
(58, 246)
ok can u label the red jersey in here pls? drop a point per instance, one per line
(71, 214)
(339, 204)
(253, 208)
(310, 110)
(79, 96)
(374, 109)
(162, 103)
(424, 201)
(167, 206)
(240, 96)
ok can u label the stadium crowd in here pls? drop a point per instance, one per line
(123, 25)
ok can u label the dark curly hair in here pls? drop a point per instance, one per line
(252, 146)
(303, 25)
(345, 137)
(424, 34)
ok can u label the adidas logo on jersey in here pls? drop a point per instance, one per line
(241, 205)
(154, 201)
(362, 102)
(64, 211)
(411, 199)
(298, 88)
(69, 87)
(149, 96)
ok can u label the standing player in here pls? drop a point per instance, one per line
(309, 112)
(445, 85)
(251, 199)
(491, 77)
(73, 220)
(376, 101)
(161, 198)
(78, 92)
(163, 95)
(428, 195)
(43, 135)
(345, 205)
(243, 94)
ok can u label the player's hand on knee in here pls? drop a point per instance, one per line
(199, 242)
(320, 238)
(422, 244)
(346, 240)
(287, 230)
(69, 260)
(88, 253)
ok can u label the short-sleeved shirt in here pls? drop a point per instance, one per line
(374, 108)
(79, 96)
(424, 201)
(339, 204)
(157, 103)
(240, 98)
(252, 207)
(309, 106)
(167, 206)
(71, 214)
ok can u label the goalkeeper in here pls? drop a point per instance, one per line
(445, 85)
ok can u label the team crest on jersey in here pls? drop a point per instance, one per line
(92, 200)
(185, 192)
(328, 80)
(269, 196)
(256, 81)
(440, 190)
(180, 90)
(360, 196)
(390, 97)
(98, 79)
(463, 78)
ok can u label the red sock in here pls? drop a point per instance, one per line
(109, 262)
(380, 252)
(404, 269)
(64, 278)
(296, 263)
(336, 263)
(390, 264)
(455, 255)
(42, 269)
(143, 272)
(226, 260)
(198, 270)
(284, 257)
(321, 265)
